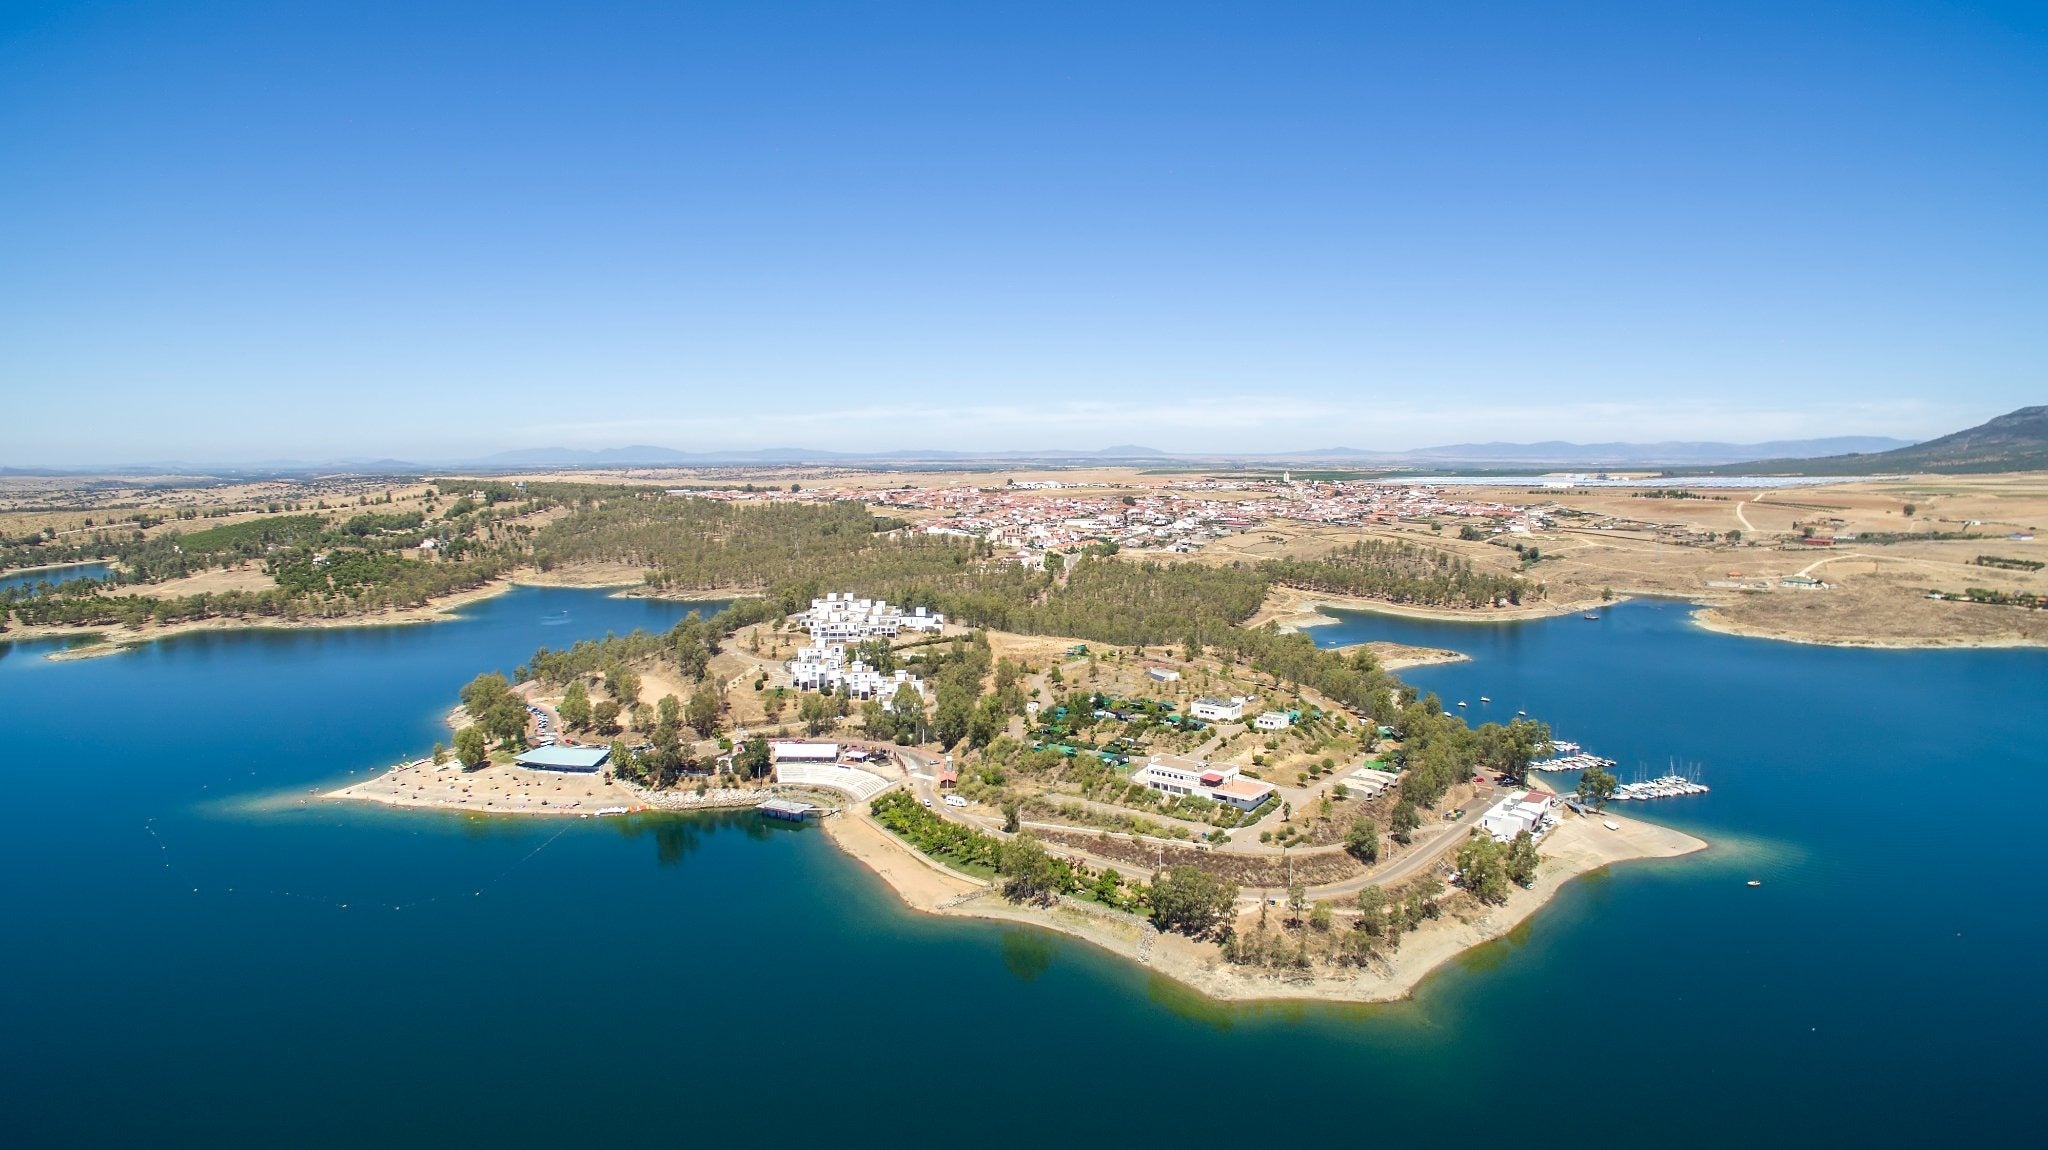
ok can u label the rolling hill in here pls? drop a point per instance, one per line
(2015, 441)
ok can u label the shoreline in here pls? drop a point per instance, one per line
(1293, 609)
(97, 641)
(1578, 846)
(1288, 608)
(1708, 617)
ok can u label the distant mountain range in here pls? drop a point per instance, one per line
(2015, 441)
(1550, 454)
(1670, 453)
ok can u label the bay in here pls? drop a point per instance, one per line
(192, 955)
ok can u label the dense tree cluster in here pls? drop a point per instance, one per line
(1400, 572)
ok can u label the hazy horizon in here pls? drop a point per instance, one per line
(240, 232)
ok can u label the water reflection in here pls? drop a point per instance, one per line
(1027, 953)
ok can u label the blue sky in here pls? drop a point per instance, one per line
(242, 231)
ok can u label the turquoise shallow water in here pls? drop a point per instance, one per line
(184, 966)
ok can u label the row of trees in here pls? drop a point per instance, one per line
(1182, 898)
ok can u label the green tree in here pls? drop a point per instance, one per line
(693, 655)
(954, 713)
(1363, 841)
(815, 712)
(1521, 860)
(701, 712)
(1406, 820)
(988, 722)
(1320, 916)
(669, 713)
(1297, 901)
(623, 684)
(1372, 911)
(1597, 785)
(754, 759)
(1191, 901)
(1029, 873)
(624, 762)
(440, 754)
(471, 747)
(909, 711)
(1482, 870)
(605, 717)
(574, 708)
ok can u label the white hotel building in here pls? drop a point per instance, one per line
(841, 618)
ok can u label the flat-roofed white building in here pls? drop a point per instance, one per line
(1217, 710)
(1244, 794)
(1174, 775)
(1273, 721)
(805, 752)
(1531, 811)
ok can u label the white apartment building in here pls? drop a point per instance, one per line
(825, 665)
(1216, 710)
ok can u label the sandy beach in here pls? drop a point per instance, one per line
(495, 789)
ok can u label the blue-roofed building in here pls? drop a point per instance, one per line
(583, 760)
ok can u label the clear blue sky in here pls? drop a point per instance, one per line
(249, 231)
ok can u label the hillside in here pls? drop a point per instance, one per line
(2015, 441)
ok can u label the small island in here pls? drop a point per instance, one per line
(1249, 815)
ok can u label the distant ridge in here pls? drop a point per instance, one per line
(2015, 441)
(2011, 442)
(1671, 453)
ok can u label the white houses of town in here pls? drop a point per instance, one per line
(1273, 721)
(1217, 710)
(1174, 775)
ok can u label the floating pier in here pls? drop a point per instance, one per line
(1670, 786)
(789, 809)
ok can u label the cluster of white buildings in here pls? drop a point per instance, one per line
(1021, 517)
(822, 667)
(1532, 811)
(1173, 775)
(841, 618)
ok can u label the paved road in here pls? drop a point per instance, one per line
(1416, 861)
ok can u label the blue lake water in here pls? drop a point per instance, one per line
(53, 575)
(191, 957)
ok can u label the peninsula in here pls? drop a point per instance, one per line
(1249, 815)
